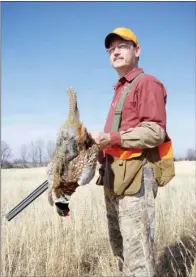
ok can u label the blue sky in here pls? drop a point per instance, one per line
(48, 46)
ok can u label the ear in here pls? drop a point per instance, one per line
(137, 51)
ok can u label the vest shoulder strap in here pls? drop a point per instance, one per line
(118, 111)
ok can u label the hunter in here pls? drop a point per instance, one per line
(135, 156)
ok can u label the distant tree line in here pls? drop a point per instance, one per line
(39, 153)
(190, 155)
(36, 154)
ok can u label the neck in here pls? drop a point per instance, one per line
(125, 70)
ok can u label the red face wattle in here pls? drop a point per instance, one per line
(66, 213)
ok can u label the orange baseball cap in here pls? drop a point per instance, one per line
(124, 33)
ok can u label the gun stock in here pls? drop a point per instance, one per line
(24, 203)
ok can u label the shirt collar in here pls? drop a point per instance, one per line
(128, 77)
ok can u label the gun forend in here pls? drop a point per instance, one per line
(24, 203)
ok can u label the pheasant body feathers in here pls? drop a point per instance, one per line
(75, 157)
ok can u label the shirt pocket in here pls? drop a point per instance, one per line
(129, 112)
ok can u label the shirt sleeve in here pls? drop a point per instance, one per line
(151, 102)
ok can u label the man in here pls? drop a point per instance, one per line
(129, 183)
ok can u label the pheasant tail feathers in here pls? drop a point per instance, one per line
(74, 115)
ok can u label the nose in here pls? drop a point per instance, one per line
(116, 51)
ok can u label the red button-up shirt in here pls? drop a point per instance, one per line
(145, 102)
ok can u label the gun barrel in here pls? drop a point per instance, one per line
(25, 202)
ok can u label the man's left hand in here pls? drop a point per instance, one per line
(101, 139)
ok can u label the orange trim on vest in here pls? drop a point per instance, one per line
(165, 151)
(123, 154)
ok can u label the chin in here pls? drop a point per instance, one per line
(119, 63)
(118, 66)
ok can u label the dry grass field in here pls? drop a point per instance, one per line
(40, 243)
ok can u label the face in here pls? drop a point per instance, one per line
(123, 54)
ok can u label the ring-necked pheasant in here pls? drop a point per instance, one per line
(74, 160)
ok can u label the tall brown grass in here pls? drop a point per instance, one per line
(40, 243)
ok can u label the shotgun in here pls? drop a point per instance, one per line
(25, 202)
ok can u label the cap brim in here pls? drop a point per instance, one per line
(110, 37)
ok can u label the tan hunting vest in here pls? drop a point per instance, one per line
(123, 172)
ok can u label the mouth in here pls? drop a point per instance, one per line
(118, 59)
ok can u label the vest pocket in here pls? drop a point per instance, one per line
(120, 175)
(164, 171)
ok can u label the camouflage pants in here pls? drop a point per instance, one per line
(131, 228)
